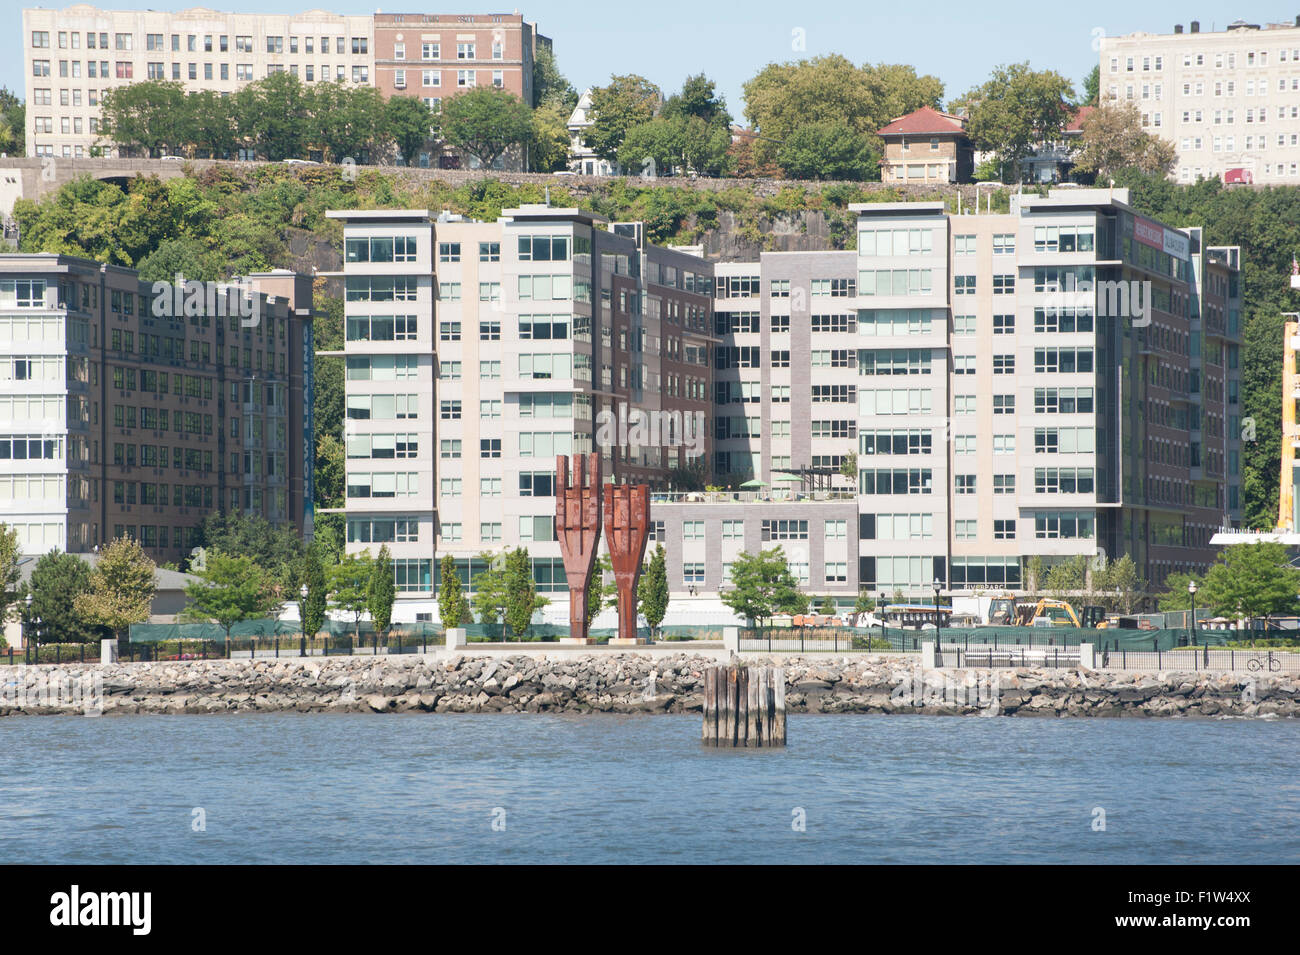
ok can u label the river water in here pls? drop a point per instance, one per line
(424, 788)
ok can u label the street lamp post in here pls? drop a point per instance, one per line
(27, 623)
(302, 649)
(938, 619)
(1191, 592)
(881, 609)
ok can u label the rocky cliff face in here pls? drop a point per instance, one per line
(625, 683)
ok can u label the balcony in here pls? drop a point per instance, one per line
(773, 496)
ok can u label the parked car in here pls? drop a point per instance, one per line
(299, 162)
(1238, 177)
(172, 158)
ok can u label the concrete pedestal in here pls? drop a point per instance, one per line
(579, 641)
(1087, 656)
(455, 638)
(930, 657)
(731, 640)
(107, 651)
(624, 642)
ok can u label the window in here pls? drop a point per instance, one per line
(464, 51)
(1004, 364)
(1004, 324)
(448, 251)
(1004, 529)
(964, 483)
(489, 251)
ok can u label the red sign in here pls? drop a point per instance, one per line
(1148, 233)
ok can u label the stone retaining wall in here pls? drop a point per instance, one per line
(625, 683)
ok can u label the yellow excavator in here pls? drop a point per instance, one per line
(1046, 612)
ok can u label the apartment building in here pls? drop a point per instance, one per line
(74, 55)
(958, 395)
(1229, 100)
(129, 412)
(437, 55)
(546, 332)
(1002, 394)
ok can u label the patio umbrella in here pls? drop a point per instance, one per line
(755, 483)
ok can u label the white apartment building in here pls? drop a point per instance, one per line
(71, 57)
(990, 381)
(1228, 100)
(518, 340)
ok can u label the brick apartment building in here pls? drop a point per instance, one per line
(115, 420)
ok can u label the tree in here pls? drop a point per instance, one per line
(10, 568)
(230, 589)
(312, 610)
(548, 146)
(521, 591)
(490, 596)
(627, 101)
(1018, 109)
(148, 115)
(214, 123)
(13, 124)
(1118, 585)
(381, 592)
(330, 470)
(827, 607)
(849, 467)
(550, 88)
(827, 151)
(601, 593)
(485, 122)
(1091, 86)
(785, 97)
(276, 549)
(122, 587)
(273, 116)
(1250, 581)
(698, 99)
(1113, 138)
(1175, 596)
(452, 609)
(653, 148)
(345, 121)
(186, 256)
(652, 589)
(349, 585)
(57, 580)
(864, 604)
(762, 585)
(411, 125)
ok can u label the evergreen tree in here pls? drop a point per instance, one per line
(452, 609)
(652, 590)
(381, 592)
(57, 580)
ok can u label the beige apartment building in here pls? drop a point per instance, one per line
(1229, 100)
(74, 55)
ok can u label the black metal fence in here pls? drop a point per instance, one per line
(272, 647)
(1202, 658)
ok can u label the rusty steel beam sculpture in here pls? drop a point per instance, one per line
(577, 527)
(627, 529)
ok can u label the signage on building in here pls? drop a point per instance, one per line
(1158, 237)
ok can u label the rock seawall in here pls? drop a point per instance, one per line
(624, 683)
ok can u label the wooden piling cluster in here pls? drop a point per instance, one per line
(744, 706)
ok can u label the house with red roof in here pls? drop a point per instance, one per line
(927, 146)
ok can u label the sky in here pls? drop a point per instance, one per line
(668, 40)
